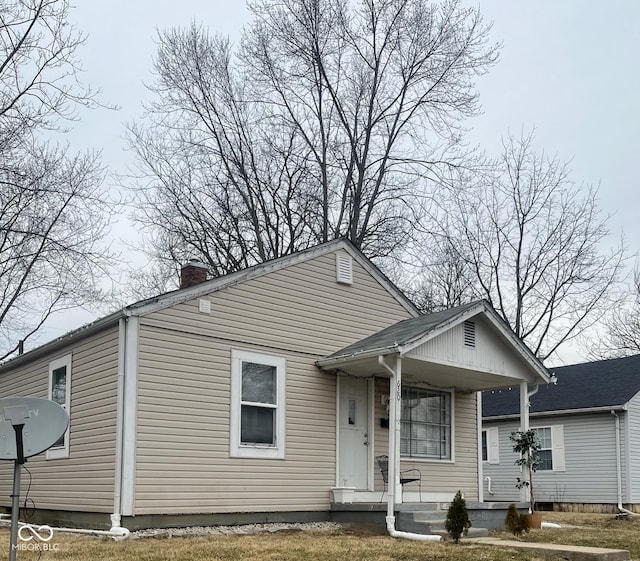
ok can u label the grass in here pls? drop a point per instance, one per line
(596, 530)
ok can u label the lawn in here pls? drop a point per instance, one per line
(597, 530)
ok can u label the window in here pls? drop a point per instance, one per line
(484, 446)
(257, 405)
(60, 392)
(425, 424)
(490, 446)
(551, 452)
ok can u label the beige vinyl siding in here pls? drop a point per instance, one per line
(299, 313)
(438, 476)
(85, 480)
(300, 308)
(183, 463)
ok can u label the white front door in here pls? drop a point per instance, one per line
(353, 422)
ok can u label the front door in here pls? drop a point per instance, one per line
(353, 446)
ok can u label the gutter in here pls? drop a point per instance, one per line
(79, 333)
(358, 355)
(578, 411)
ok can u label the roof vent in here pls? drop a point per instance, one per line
(192, 273)
(470, 333)
(344, 268)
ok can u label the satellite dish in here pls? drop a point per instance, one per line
(44, 424)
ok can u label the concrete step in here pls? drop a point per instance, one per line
(427, 523)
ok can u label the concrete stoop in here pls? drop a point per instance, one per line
(568, 552)
(431, 522)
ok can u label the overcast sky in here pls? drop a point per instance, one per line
(569, 68)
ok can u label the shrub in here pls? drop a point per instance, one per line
(514, 521)
(457, 522)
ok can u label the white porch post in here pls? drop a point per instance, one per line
(524, 426)
(479, 445)
(397, 492)
(393, 474)
(524, 406)
(391, 468)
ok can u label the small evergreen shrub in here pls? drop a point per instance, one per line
(457, 522)
(515, 522)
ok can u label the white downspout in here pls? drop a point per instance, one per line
(116, 518)
(479, 446)
(395, 397)
(619, 465)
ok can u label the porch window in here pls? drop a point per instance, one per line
(425, 424)
(257, 405)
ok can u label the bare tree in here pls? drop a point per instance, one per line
(622, 326)
(330, 120)
(531, 242)
(53, 209)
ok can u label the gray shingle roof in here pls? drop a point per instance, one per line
(404, 331)
(604, 383)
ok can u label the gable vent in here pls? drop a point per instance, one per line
(344, 268)
(469, 333)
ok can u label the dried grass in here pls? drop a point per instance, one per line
(597, 530)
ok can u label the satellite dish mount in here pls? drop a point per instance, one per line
(45, 423)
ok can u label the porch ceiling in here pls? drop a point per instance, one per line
(434, 374)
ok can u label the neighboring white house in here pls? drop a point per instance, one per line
(589, 428)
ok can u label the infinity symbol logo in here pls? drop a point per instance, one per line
(43, 533)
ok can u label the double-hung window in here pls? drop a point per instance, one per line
(60, 392)
(257, 405)
(425, 423)
(551, 451)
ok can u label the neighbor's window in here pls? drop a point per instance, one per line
(60, 392)
(551, 450)
(425, 423)
(257, 405)
(545, 453)
(490, 446)
(485, 456)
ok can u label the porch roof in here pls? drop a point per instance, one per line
(405, 338)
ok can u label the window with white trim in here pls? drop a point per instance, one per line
(257, 405)
(551, 451)
(425, 423)
(60, 392)
(490, 446)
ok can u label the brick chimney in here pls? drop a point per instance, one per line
(192, 273)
